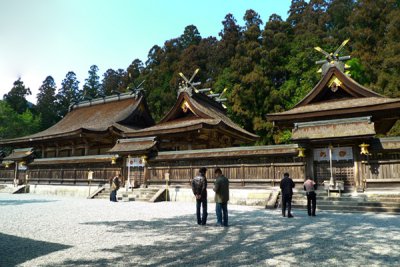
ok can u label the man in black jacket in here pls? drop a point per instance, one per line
(199, 188)
(287, 185)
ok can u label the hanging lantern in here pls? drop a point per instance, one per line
(114, 160)
(144, 159)
(364, 149)
(301, 152)
(7, 164)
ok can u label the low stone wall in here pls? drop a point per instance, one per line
(62, 190)
(250, 197)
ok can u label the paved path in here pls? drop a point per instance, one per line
(49, 231)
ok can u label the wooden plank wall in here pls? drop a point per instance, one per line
(381, 170)
(60, 175)
(240, 174)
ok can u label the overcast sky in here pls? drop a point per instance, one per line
(51, 37)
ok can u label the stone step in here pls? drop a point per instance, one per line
(352, 208)
(351, 203)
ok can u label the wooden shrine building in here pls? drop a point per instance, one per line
(334, 139)
(336, 125)
(65, 152)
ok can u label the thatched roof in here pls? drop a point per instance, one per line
(118, 113)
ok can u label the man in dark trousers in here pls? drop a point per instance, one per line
(310, 186)
(221, 188)
(115, 184)
(199, 188)
(287, 185)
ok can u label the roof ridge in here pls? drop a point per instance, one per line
(103, 100)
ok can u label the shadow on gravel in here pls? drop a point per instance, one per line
(16, 250)
(254, 238)
(14, 202)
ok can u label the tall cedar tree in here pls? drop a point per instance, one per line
(113, 81)
(46, 103)
(16, 98)
(92, 84)
(67, 94)
(249, 90)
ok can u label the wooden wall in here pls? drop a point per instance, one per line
(243, 174)
(381, 173)
(69, 175)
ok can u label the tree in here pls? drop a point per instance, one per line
(250, 86)
(16, 98)
(135, 71)
(113, 81)
(46, 103)
(226, 47)
(14, 125)
(68, 93)
(388, 78)
(369, 23)
(92, 83)
(190, 36)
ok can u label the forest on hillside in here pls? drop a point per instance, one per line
(267, 65)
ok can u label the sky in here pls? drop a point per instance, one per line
(51, 37)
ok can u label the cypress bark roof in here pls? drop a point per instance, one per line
(338, 96)
(119, 113)
(134, 145)
(192, 112)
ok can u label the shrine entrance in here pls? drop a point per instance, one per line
(334, 164)
(135, 172)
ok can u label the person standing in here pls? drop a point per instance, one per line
(115, 184)
(310, 186)
(221, 189)
(286, 186)
(199, 188)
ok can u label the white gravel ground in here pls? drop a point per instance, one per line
(51, 231)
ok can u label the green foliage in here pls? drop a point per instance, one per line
(14, 125)
(46, 103)
(92, 84)
(68, 93)
(16, 98)
(266, 68)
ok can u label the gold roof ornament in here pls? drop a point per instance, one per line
(333, 59)
(334, 84)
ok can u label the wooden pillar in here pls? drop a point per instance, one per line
(72, 149)
(57, 150)
(16, 171)
(43, 151)
(86, 147)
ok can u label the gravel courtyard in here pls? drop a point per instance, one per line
(51, 231)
